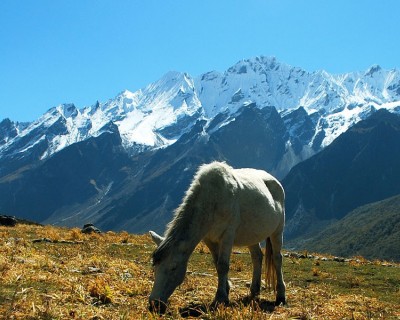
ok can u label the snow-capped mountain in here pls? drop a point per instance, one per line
(125, 163)
(159, 114)
(138, 116)
(341, 100)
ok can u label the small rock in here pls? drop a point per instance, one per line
(8, 221)
(126, 275)
(90, 228)
(338, 259)
(94, 270)
(42, 240)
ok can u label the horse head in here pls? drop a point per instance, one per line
(169, 272)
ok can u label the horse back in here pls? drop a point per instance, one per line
(273, 185)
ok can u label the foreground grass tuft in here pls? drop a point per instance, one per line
(70, 275)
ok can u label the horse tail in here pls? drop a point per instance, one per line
(270, 271)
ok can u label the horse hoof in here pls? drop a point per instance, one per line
(217, 303)
(280, 301)
(254, 295)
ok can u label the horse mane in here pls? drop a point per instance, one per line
(177, 229)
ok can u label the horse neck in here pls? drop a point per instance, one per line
(186, 231)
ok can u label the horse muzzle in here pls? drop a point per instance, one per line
(157, 306)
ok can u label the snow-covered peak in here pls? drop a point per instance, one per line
(171, 90)
(123, 103)
(157, 106)
(68, 110)
(260, 64)
(373, 70)
(266, 81)
(158, 114)
(260, 80)
(140, 114)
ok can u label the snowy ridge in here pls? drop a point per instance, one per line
(157, 115)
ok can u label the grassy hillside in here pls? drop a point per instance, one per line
(58, 273)
(372, 231)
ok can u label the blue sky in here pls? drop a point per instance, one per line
(80, 51)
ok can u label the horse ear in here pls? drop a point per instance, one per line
(156, 238)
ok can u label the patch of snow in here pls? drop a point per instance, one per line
(30, 146)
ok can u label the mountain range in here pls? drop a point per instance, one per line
(125, 163)
(316, 107)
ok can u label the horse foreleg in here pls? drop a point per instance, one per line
(276, 242)
(224, 255)
(256, 257)
(214, 249)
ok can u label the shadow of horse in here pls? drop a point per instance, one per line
(200, 309)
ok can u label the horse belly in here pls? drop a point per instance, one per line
(256, 225)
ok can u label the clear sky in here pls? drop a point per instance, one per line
(80, 51)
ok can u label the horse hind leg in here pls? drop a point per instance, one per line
(256, 257)
(276, 244)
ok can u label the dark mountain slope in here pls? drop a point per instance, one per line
(256, 139)
(361, 166)
(82, 171)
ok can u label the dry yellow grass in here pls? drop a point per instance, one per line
(109, 276)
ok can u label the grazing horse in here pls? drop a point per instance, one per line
(224, 207)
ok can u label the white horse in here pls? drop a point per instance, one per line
(224, 207)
